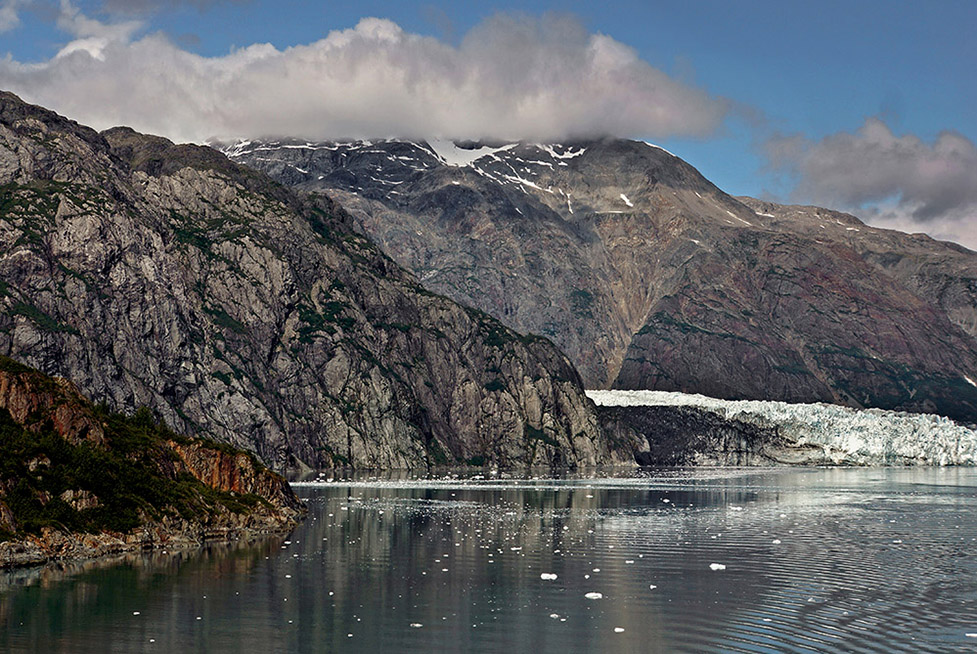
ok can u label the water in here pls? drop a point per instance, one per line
(815, 560)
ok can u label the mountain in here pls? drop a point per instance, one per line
(650, 277)
(164, 275)
(77, 480)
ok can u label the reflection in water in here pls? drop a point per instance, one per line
(815, 560)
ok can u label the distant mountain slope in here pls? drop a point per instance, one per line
(650, 277)
(167, 276)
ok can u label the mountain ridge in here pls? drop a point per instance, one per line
(164, 275)
(649, 276)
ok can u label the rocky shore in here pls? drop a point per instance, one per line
(77, 481)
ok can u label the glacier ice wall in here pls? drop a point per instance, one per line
(848, 436)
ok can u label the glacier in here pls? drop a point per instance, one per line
(847, 436)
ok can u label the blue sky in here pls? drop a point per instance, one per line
(766, 98)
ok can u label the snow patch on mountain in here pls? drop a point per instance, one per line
(452, 155)
(861, 436)
(658, 147)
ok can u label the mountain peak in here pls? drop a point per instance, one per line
(650, 277)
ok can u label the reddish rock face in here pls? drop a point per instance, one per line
(35, 400)
(235, 473)
(42, 404)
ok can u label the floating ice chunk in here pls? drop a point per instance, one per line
(547, 576)
(594, 596)
(717, 566)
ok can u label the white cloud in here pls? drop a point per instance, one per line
(510, 77)
(142, 7)
(9, 17)
(893, 181)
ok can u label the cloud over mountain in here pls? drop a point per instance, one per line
(510, 77)
(896, 181)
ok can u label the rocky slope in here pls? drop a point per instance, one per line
(77, 481)
(163, 275)
(650, 277)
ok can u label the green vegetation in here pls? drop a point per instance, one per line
(495, 333)
(582, 302)
(532, 434)
(223, 319)
(435, 453)
(39, 318)
(494, 385)
(127, 481)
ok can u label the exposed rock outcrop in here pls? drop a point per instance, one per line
(77, 481)
(167, 276)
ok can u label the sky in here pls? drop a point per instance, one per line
(865, 106)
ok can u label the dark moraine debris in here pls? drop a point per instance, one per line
(684, 436)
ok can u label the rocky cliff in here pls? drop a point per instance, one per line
(164, 275)
(650, 277)
(79, 481)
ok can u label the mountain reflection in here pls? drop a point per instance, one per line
(682, 561)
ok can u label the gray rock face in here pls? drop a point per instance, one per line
(162, 275)
(650, 277)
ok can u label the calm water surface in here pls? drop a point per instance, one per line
(815, 560)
